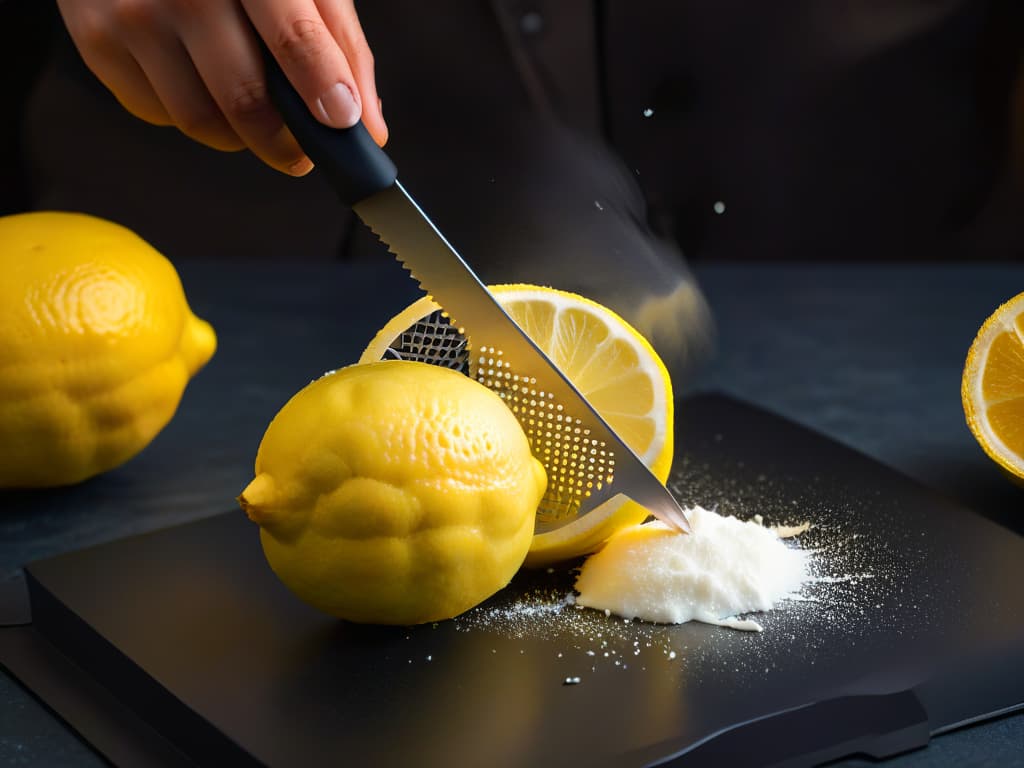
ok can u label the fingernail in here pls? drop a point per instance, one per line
(380, 106)
(300, 167)
(338, 107)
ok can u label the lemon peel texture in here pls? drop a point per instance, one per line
(394, 493)
(97, 343)
(615, 368)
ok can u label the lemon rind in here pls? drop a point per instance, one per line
(975, 405)
(587, 534)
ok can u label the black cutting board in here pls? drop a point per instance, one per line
(190, 629)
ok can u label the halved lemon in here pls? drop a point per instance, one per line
(993, 387)
(614, 367)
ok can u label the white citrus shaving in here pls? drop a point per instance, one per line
(724, 568)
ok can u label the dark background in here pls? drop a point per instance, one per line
(20, 64)
(868, 130)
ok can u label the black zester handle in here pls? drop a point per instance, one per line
(350, 159)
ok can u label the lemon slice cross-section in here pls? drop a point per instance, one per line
(993, 387)
(611, 364)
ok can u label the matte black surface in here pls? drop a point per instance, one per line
(116, 731)
(193, 630)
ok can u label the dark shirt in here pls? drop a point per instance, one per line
(797, 129)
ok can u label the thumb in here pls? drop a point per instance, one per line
(310, 58)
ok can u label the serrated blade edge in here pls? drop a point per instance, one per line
(395, 217)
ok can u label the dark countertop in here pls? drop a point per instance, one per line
(870, 355)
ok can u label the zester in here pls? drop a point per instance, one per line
(588, 464)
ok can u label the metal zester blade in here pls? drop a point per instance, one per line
(587, 463)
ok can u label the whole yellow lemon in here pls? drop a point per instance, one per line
(97, 343)
(395, 492)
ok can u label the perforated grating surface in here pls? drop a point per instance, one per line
(432, 340)
(577, 464)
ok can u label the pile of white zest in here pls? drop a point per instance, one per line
(725, 567)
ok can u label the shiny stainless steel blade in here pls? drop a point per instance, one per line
(582, 455)
(508, 361)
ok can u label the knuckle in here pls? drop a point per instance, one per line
(247, 100)
(302, 41)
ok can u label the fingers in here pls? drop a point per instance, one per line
(133, 47)
(123, 76)
(342, 20)
(172, 75)
(114, 66)
(197, 65)
(323, 52)
(310, 57)
(227, 57)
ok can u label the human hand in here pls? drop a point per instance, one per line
(196, 65)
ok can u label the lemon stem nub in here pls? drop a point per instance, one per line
(255, 499)
(198, 343)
